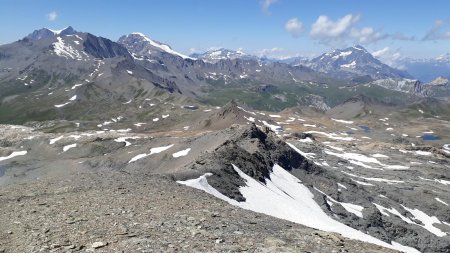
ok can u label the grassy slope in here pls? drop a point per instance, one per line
(221, 94)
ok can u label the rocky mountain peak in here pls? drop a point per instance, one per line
(353, 62)
(103, 48)
(45, 33)
(140, 44)
(360, 48)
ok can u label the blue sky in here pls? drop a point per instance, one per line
(274, 27)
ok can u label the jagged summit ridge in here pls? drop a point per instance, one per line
(143, 45)
(45, 33)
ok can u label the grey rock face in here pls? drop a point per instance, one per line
(104, 48)
(404, 85)
(255, 153)
(314, 101)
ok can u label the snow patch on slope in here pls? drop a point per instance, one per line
(283, 196)
(65, 50)
(181, 153)
(13, 154)
(152, 151)
(161, 46)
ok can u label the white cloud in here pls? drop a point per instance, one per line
(344, 30)
(390, 57)
(382, 52)
(367, 35)
(294, 27)
(52, 16)
(265, 5)
(436, 33)
(325, 28)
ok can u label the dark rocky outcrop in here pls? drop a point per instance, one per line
(104, 48)
(255, 153)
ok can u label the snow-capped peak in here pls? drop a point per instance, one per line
(360, 48)
(218, 54)
(137, 37)
(352, 61)
(343, 54)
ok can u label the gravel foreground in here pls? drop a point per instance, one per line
(112, 211)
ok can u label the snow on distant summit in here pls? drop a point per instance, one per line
(351, 62)
(140, 44)
(215, 55)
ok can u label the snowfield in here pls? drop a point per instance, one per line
(285, 197)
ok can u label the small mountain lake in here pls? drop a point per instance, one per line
(365, 128)
(430, 137)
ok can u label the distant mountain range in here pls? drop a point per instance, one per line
(49, 68)
(215, 55)
(427, 70)
(349, 63)
(354, 63)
